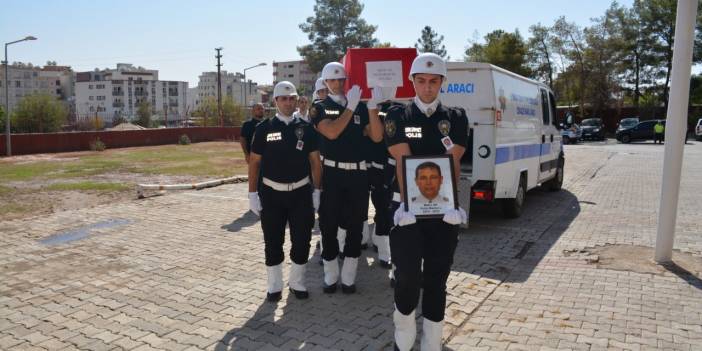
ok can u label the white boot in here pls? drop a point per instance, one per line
(431, 335)
(341, 237)
(275, 278)
(348, 271)
(331, 272)
(405, 330)
(384, 248)
(297, 277)
(297, 281)
(365, 234)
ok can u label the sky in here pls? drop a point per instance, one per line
(178, 37)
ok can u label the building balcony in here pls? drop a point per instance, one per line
(117, 93)
(118, 104)
(139, 93)
(173, 104)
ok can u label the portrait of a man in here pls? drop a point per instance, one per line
(429, 185)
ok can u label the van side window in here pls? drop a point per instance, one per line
(545, 107)
(552, 100)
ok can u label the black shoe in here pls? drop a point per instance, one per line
(392, 283)
(329, 289)
(274, 297)
(348, 289)
(385, 264)
(396, 348)
(375, 248)
(364, 246)
(300, 295)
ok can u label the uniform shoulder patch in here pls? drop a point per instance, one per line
(390, 128)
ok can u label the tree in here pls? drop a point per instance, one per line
(503, 49)
(386, 44)
(658, 19)
(430, 41)
(144, 114)
(232, 113)
(569, 38)
(336, 26)
(540, 53)
(38, 113)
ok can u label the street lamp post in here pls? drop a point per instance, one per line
(245, 83)
(8, 147)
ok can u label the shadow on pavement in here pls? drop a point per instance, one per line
(246, 220)
(683, 274)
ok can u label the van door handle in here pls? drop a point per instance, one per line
(543, 138)
(551, 137)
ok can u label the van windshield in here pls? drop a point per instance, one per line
(591, 122)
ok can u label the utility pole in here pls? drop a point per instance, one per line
(219, 86)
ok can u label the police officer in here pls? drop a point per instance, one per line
(320, 90)
(302, 109)
(433, 241)
(286, 151)
(248, 128)
(342, 123)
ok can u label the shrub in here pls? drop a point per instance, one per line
(97, 145)
(184, 140)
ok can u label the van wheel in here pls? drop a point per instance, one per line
(512, 208)
(556, 183)
(626, 138)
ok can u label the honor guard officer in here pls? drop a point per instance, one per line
(424, 128)
(248, 128)
(302, 109)
(342, 123)
(379, 186)
(286, 151)
(320, 90)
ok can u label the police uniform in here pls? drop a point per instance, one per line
(344, 187)
(381, 173)
(248, 129)
(431, 241)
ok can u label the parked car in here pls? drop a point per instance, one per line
(641, 131)
(627, 123)
(593, 129)
(698, 130)
(572, 135)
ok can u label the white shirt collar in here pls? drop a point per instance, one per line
(304, 117)
(339, 99)
(425, 108)
(285, 119)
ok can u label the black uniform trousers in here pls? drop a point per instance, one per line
(381, 200)
(287, 207)
(342, 200)
(434, 241)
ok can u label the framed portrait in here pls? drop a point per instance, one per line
(429, 187)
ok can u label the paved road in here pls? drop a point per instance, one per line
(185, 271)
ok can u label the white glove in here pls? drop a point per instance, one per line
(455, 217)
(315, 199)
(353, 96)
(379, 95)
(402, 217)
(255, 203)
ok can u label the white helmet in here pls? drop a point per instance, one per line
(429, 63)
(319, 85)
(284, 88)
(333, 70)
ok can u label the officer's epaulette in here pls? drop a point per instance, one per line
(398, 109)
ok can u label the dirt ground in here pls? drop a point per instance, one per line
(34, 195)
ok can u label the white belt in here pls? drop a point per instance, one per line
(396, 197)
(376, 165)
(286, 186)
(349, 166)
(391, 161)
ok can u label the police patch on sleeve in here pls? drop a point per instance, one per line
(313, 112)
(390, 128)
(444, 127)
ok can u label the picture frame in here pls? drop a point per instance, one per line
(430, 190)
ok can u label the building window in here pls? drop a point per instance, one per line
(90, 86)
(90, 98)
(291, 75)
(17, 84)
(100, 98)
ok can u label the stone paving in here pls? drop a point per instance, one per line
(185, 271)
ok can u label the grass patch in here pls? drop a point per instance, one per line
(14, 208)
(87, 185)
(5, 190)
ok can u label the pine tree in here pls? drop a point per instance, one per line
(430, 41)
(336, 26)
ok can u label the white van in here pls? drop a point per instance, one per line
(514, 144)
